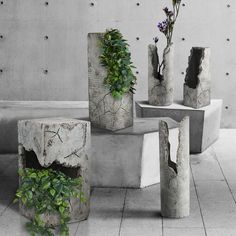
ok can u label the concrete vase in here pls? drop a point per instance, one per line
(104, 110)
(174, 174)
(160, 92)
(197, 88)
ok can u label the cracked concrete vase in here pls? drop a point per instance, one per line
(174, 171)
(104, 110)
(61, 144)
(197, 88)
(160, 92)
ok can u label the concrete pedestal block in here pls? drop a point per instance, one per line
(204, 122)
(175, 179)
(61, 144)
(160, 92)
(197, 87)
(105, 111)
(129, 157)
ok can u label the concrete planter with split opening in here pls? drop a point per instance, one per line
(197, 88)
(160, 91)
(105, 111)
(174, 171)
(61, 144)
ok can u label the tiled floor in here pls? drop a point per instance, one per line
(129, 212)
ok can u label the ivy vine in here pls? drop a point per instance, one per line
(48, 192)
(116, 58)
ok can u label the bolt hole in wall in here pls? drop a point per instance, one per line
(55, 39)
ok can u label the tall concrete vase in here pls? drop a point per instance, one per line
(197, 88)
(174, 174)
(160, 90)
(105, 111)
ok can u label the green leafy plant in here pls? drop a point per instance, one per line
(117, 60)
(48, 192)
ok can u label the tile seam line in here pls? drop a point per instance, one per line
(199, 204)
(123, 210)
(91, 193)
(221, 169)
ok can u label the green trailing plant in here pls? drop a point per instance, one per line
(116, 58)
(48, 192)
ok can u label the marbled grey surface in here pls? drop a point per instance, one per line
(175, 178)
(197, 87)
(104, 110)
(160, 93)
(62, 141)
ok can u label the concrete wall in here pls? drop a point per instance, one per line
(33, 67)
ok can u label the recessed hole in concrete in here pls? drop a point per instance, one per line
(31, 161)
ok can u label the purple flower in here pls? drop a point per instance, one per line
(163, 26)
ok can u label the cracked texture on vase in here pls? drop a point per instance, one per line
(104, 110)
(197, 88)
(160, 93)
(61, 141)
(175, 179)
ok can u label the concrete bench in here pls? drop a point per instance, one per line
(12, 111)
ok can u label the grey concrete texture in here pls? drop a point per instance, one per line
(105, 111)
(204, 122)
(13, 111)
(175, 176)
(160, 92)
(128, 157)
(60, 141)
(197, 86)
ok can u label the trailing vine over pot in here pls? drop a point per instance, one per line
(116, 58)
(47, 192)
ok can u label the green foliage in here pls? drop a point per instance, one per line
(117, 60)
(48, 192)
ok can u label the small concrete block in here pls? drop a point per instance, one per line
(62, 144)
(105, 111)
(197, 87)
(160, 92)
(204, 122)
(128, 157)
(175, 178)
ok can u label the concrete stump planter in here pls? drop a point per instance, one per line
(174, 176)
(160, 92)
(197, 90)
(105, 111)
(61, 144)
